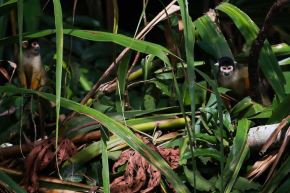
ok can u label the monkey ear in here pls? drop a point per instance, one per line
(25, 44)
(216, 64)
(235, 62)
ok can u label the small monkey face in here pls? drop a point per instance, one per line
(226, 66)
(226, 70)
(31, 47)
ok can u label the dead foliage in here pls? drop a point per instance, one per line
(271, 159)
(139, 175)
(43, 155)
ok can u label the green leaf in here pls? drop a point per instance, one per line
(243, 184)
(105, 167)
(121, 83)
(278, 177)
(201, 183)
(218, 118)
(147, 66)
(237, 154)
(281, 49)
(280, 112)
(138, 45)
(189, 42)
(267, 60)
(6, 7)
(149, 102)
(118, 129)
(211, 38)
(162, 87)
(254, 110)
(287, 85)
(98, 36)
(59, 59)
(28, 35)
(202, 152)
(241, 106)
(284, 187)
(200, 93)
(85, 82)
(283, 62)
(11, 184)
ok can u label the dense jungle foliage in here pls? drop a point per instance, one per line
(131, 100)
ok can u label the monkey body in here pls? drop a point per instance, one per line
(237, 81)
(32, 75)
(31, 72)
(233, 76)
(236, 77)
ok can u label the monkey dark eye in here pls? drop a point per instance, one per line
(34, 44)
(223, 68)
(230, 68)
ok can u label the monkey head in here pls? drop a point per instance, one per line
(226, 66)
(31, 47)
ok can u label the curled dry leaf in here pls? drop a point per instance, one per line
(261, 166)
(41, 156)
(66, 150)
(271, 160)
(171, 155)
(139, 176)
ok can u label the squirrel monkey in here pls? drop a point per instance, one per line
(236, 77)
(32, 75)
(31, 72)
(233, 76)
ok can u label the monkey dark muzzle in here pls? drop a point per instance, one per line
(36, 50)
(227, 73)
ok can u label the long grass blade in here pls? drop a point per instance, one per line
(59, 59)
(118, 129)
(11, 183)
(211, 38)
(220, 119)
(7, 6)
(98, 36)
(105, 162)
(189, 50)
(267, 60)
(237, 154)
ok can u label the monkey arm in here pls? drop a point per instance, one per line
(21, 76)
(38, 78)
(35, 80)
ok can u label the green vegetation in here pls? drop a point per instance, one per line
(142, 86)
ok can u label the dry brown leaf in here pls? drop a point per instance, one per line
(139, 176)
(261, 166)
(272, 159)
(40, 157)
